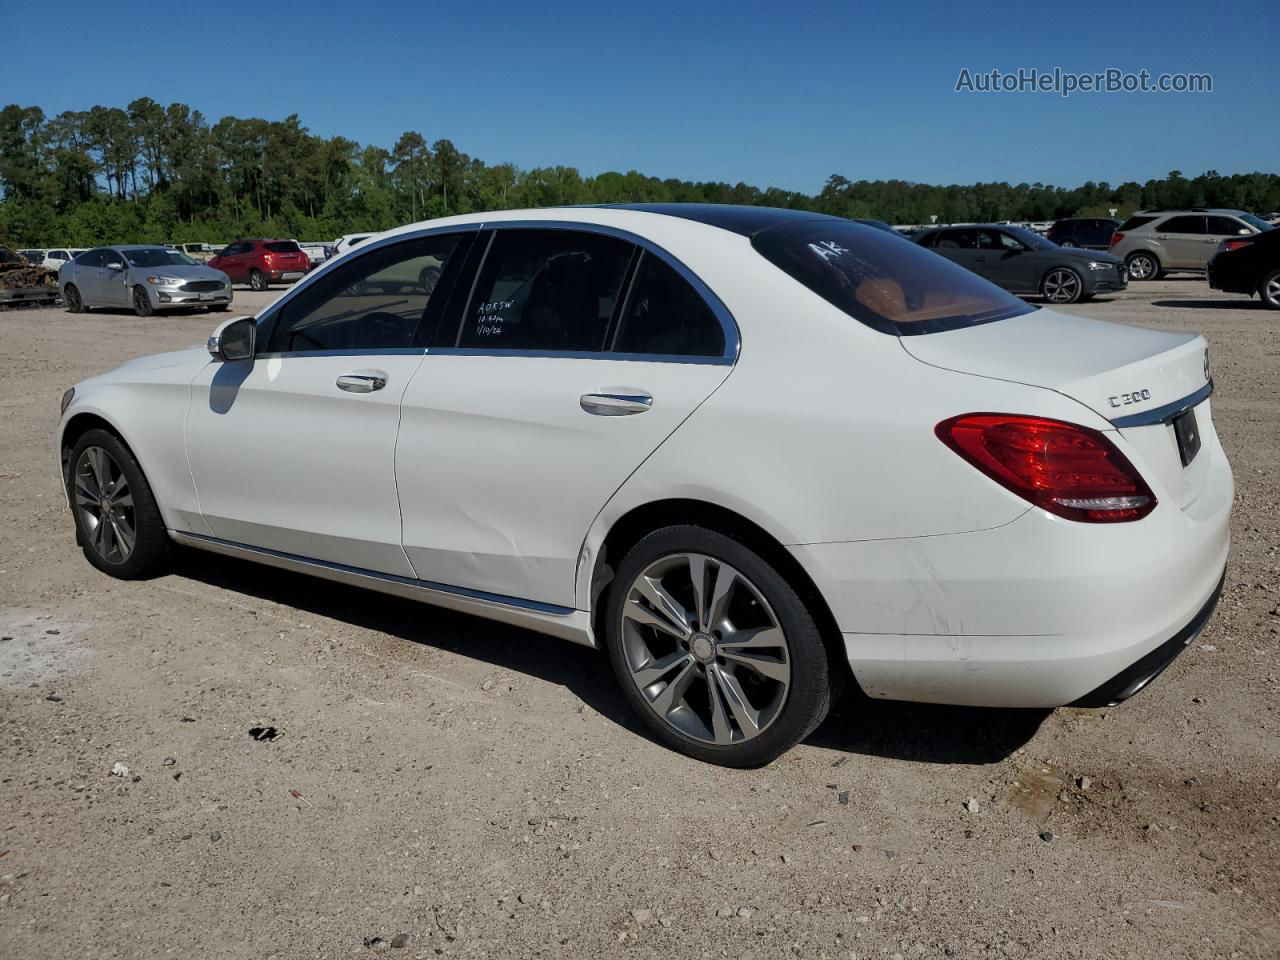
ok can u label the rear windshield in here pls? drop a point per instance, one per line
(282, 246)
(157, 257)
(1256, 222)
(897, 288)
(1133, 223)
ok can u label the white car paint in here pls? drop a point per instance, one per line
(477, 481)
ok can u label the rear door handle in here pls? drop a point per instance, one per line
(362, 382)
(615, 404)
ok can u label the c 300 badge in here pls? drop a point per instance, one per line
(1124, 399)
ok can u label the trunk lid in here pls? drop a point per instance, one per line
(1136, 378)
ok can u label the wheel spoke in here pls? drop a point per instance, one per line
(639, 613)
(655, 670)
(100, 473)
(86, 488)
(747, 717)
(665, 605)
(104, 538)
(673, 693)
(754, 638)
(698, 577)
(721, 728)
(765, 666)
(718, 606)
(124, 534)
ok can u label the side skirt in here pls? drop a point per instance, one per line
(563, 622)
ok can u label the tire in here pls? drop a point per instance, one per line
(142, 303)
(107, 546)
(71, 297)
(786, 704)
(1269, 290)
(1143, 265)
(258, 280)
(1062, 285)
(221, 308)
(1068, 244)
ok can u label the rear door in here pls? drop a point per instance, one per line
(233, 261)
(572, 357)
(1183, 239)
(295, 451)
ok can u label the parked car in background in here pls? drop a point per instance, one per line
(347, 241)
(33, 256)
(317, 253)
(699, 523)
(1091, 233)
(56, 259)
(1249, 265)
(22, 280)
(1155, 242)
(201, 252)
(146, 278)
(260, 262)
(1026, 263)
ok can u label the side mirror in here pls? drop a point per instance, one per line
(1244, 232)
(116, 265)
(233, 340)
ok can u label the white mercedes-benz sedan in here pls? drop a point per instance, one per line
(752, 453)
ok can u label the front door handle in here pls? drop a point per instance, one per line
(615, 404)
(361, 382)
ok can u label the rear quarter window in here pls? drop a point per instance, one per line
(896, 288)
(281, 246)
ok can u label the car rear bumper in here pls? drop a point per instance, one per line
(1040, 612)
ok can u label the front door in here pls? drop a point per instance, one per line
(1006, 261)
(113, 280)
(575, 357)
(295, 451)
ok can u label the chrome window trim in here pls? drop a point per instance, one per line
(1165, 413)
(732, 337)
(580, 355)
(353, 352)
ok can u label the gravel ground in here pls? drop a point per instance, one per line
(467, 789)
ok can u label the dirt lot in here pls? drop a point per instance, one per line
(474, 790)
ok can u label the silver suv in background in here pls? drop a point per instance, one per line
(1155, 242)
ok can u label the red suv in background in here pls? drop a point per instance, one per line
(262, 262)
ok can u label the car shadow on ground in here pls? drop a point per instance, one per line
(1249, 304)
(924, 733)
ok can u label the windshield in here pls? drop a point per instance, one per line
(1031, 238)
(1256, 222)
(897, 288)
(156, 257)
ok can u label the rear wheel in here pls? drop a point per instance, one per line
(257, 280)
(118, 523)
(1269, 290)
(1062, 285)
(1068, 244)
(141, 302)
(714, 649)
(1143, 266)
(71, 297)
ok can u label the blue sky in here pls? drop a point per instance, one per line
(767, 93)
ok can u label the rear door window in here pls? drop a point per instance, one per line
(546, 290)
(665, 316)
(896, 288)
(1183, 224)
(1225, 226)
(957, 239)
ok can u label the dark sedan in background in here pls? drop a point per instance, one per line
(1091, 233)
(1026, 263)
(146, 278)
(1249, 265)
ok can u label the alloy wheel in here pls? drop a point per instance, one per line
(105, 505)
(72, 296)
(1271, 289)
(1141, 267)
(1062, 286)
(705, 649)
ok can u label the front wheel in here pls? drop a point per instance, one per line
(1068, 244)
(142, 303)
(1143, 266)
(1062, 285)
(1269, 290)
(71, 297)
(257, 280)
(118, 522)
(714, 649)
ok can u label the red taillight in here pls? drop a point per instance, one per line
(1067, 469)
(1233, 244)
(1116, 238)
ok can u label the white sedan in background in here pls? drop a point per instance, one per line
(752, 453)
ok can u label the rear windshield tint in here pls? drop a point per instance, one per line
(1133, 223)
(897, 288)
(282, 246)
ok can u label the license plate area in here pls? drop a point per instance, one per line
(1187, 433)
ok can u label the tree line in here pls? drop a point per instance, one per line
(153, 173)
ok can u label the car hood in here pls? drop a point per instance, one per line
(1084, 256)
(184, 272)
(176, 366)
